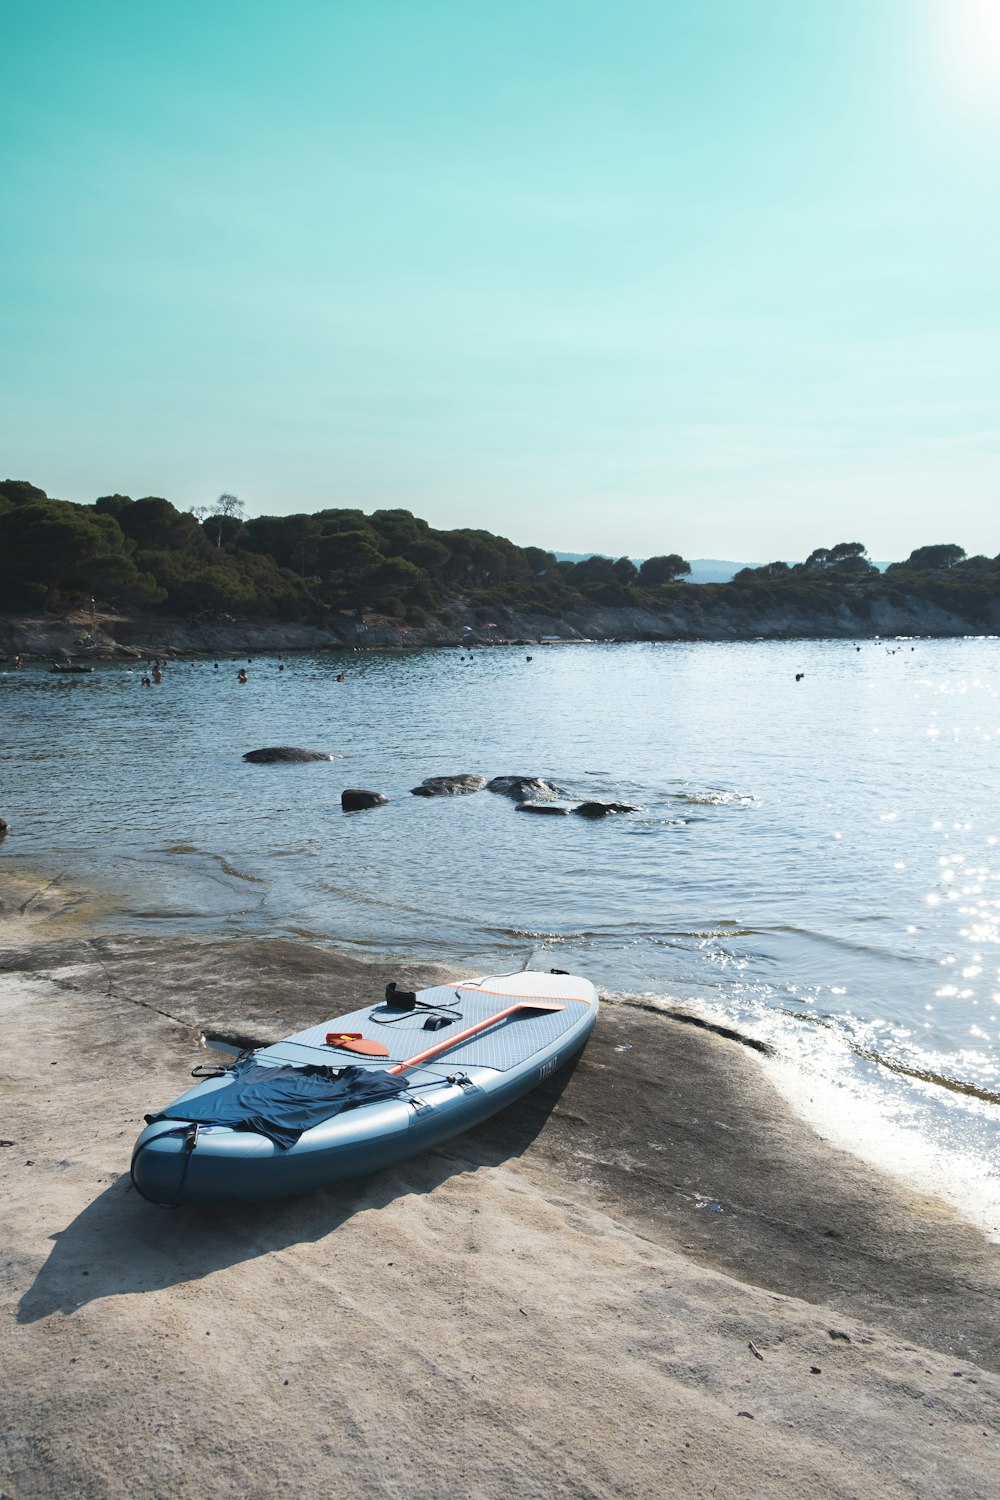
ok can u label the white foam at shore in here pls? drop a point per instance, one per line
(935, 1142)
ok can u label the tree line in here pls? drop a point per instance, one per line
(146, 553)
(213, 560)
(942, 575)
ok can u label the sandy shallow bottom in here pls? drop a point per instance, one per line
(647, 1279)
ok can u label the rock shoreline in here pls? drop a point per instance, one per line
(137, 636)
(646, 1278)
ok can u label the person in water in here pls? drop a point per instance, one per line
(241, 675)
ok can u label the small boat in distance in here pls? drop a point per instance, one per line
(364, 1090)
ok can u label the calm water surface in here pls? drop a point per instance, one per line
(816, 859)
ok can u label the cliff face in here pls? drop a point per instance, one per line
(137, 636)
(131, 637)
(716, 619)
(721, 621)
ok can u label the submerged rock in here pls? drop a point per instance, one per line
(353, 799)
(601, 809)
(554, 809)
(449, 786)
(524, 788)
(274, 753)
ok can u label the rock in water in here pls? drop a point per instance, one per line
(449, 786)
(524, 788)
(274, 753)
(353, 799)
(554, 809)
(601, 809)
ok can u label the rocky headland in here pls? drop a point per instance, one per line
(705, 616)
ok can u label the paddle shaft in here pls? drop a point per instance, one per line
(462, 1036)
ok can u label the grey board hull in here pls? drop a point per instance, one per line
(447, 1095)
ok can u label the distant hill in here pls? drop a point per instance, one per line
(703, 569)
(714, 569)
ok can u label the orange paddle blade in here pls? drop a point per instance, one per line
(353, 1041)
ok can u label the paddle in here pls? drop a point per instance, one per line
(461, 1036)
(353, 1041)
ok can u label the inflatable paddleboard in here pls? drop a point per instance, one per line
(364, 1090)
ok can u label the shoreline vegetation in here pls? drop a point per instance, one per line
(648, 1277)
(124, 577)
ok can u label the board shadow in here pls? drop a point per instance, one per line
(120, 1244)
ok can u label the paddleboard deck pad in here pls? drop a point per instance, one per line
(364, 1090)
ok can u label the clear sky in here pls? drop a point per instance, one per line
(719, 277)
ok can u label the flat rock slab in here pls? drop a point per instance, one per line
(553, 809)
(275, 754)
(524, 788)
(449, 786)
(653, 1232)
(602, 809)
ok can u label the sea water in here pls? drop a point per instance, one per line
(814, 854)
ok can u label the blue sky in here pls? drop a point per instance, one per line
(719, 277)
